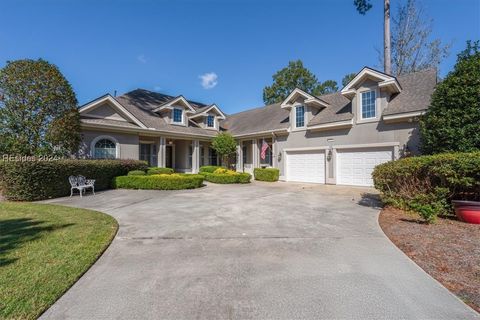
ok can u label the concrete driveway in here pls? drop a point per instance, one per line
(262, 251)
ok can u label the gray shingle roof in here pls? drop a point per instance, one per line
(140, 103)
(108, 122)
(415, 96)
(150, 100)
(340, 109)
(417, 89)
(268, 118)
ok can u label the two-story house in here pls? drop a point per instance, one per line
(335, 138)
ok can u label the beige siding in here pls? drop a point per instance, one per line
(105, 111)
(129, 143)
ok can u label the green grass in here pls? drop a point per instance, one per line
(44, 249)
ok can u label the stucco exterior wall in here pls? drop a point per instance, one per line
(128, 143)
(105, 111)
(406, 134)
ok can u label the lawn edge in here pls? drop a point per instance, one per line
(475, 313)
(100, 254)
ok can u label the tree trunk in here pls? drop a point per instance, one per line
(386, 38)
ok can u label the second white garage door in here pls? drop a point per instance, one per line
(355, 167)
(306, 166)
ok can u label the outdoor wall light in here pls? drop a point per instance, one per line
(329, 154)
(279, 157)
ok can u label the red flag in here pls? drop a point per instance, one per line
(263, 155)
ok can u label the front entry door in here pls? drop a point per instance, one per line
(169, 157)
(146, 153)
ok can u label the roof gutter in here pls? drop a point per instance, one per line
(266, 132)
(332, 125)
(407, 116)
(141, 130)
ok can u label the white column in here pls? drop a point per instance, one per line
(255, 155)
(396, 152)
(239, 156)
(195, 156)
(161, 152)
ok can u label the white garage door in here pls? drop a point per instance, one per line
(306, 166)
(355, 167)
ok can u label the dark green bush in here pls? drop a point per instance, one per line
(136, 173)
(159, 182)
(427, 184)
(37, 180)
(157, 170)
(266, 174)
(226, 178)
(209, 169)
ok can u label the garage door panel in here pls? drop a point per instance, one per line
(306, 166)
(355, 167)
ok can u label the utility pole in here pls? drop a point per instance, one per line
(387, 63)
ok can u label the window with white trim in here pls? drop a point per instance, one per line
(368, 105)
(105, 149)
(299, 116)
(210, 121)
(177, 116)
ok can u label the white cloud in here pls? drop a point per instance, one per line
(157, 88)
(141, 58)
(209, 80)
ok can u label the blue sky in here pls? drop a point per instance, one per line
(102, 46)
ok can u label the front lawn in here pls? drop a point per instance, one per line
(44, 249)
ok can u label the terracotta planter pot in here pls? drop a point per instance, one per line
(467, 211)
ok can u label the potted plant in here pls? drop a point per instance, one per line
(467, 211)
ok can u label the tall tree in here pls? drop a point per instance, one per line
(295, 75)
(363, 6)
(412, 49)
(328, 86)
(347, 78)
(452, 122)
(38, 110)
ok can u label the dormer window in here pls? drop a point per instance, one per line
(368, 105)
(177, 116)
(210, 121)
(299, 116)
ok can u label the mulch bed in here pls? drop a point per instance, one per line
(448, 250)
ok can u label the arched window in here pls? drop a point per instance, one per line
(105, 149)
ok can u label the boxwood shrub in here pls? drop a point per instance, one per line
(174, 181)
(224, 176)
(136, 173)
(266, 174)
(37, 180)
(209, 169)
(427, 184)
(157, 170)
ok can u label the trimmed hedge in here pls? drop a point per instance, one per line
(209, 169)
(266, 174)
(136, 173)
(159, 182)
(38, 180)
(227, 178)
(427, 184)
(157, 170)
